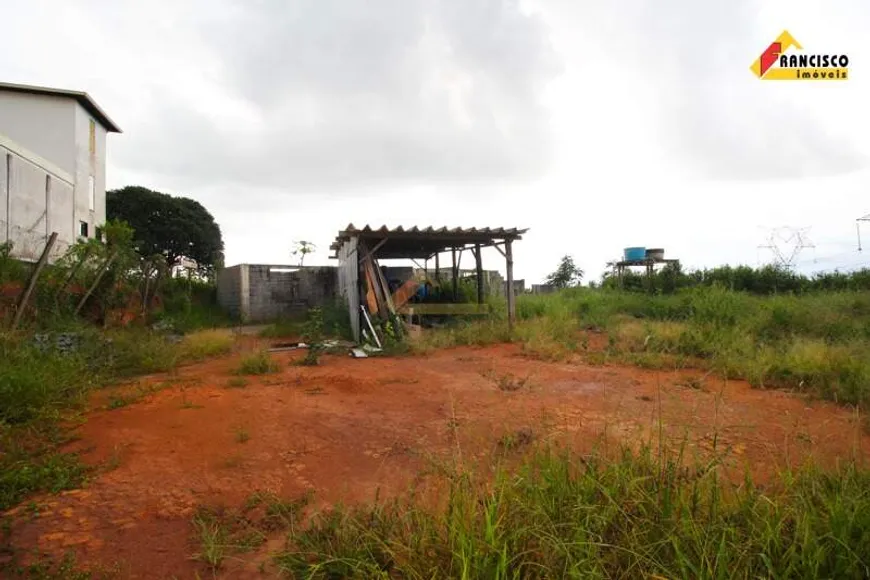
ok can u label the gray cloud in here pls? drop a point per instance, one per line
(351, 94)
(692, 59)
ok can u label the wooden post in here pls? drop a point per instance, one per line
(509, 259)
(93, 287)
(455, 275)
(437, 268)
(72, 273)
(478, 259)
(34, 276)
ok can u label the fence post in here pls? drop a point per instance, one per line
(34, 276)
(93, 287)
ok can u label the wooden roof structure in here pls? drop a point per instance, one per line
(362, 282)
(424, 243)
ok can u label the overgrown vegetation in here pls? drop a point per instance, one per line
(634, 516)
(818, 342)
(762, 281)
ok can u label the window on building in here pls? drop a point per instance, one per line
(92, 193)
(98, 233)
(92, 137)
(83, 229)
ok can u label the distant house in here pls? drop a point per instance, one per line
(52, 167)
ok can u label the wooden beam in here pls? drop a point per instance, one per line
(500, 251)
(371, 252)
(478, 260)
(34, 276)
(455, 272)
(511, 302)
(437, 268)
(444, 309)
(103, 269)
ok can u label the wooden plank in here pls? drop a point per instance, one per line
(405, 293)
(455, 275)
(371, 253)
(445, 309)
(375, 288)
(511, 302)
(103, 270)
(478, 262)
(371, 299)
(34, 276)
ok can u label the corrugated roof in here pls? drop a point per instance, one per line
(420, 240)
(83, 99)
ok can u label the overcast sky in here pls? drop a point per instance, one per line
(596, 125)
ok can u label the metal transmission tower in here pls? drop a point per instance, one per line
(858, 221)
(786, 244)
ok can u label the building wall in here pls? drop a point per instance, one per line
(261, 293)
(348, 282)
(42, 124)
(35, 200)
(89, 164)
(49, 136)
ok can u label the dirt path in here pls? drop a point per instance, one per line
(352, 427)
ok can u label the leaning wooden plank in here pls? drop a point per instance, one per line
(34, 276)
(405, 293)
(371, 274)
(371, 299)
(384, 287)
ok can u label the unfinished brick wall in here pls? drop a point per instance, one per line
(260, 293)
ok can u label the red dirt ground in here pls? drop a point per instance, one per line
(352, 427)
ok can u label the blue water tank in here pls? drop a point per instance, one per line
(632, 254)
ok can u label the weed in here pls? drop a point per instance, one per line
(237, 383)
(120, 401)
(516, 439)
(257, 363)
(242, 435)
(507, 382)
(212, 538)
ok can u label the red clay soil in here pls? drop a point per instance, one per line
(351, 428)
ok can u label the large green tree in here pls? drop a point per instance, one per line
(171, 226)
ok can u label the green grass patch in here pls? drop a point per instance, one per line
(257, 363)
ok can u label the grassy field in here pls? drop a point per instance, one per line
(636, 514)
(816, 343)
(43, 388)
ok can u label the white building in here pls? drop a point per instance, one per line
(52, 167)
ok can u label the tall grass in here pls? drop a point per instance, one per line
(635, 516)
(817, 343)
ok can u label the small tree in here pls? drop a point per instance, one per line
(566, 275)
(301, 249)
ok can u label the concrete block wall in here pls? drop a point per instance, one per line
(261, 293)
(229, 290)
